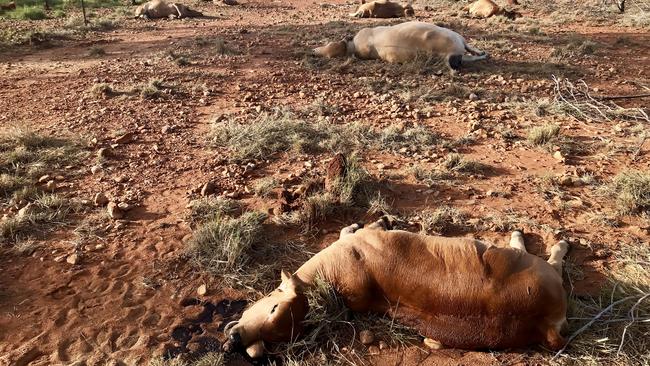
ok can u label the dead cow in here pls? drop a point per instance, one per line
(383, 9)
(461, 292)
(10, 6)
(488, 8)
(403, 43)
(159, 9)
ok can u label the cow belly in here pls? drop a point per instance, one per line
(481, 332)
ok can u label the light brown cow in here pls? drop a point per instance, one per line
(488, 8)
(10, 6)
(462, 292)
(383, 9)
(160, 9)
(403, 43)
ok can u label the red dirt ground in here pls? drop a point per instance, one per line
(99, 311)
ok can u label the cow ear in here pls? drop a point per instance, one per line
(286, 276)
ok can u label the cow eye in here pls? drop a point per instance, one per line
(274, 307)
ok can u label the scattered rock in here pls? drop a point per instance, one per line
(432, 344)
(202, 290)
(104, 153)
(336, 170)
(114, 211)
(566, 180)
(373, 350)
(207, 189)
(124, 206)
(122, 179)
(100, 199)
(60, 258)
(126, 138)
(383, 345)
(50, 186)
(167, 129)
(100, 246)
(559, 157)
(366, 337)
(473, 96)
(95, 169)
(44, 178)
(73, 259)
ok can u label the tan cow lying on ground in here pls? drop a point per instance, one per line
(488, 8)
(159, 9)
(403, 43)
(383, 9)
(461, 292)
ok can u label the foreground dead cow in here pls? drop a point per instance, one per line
(403, 43)
(463, 293)
(159, 9)
(383, 9)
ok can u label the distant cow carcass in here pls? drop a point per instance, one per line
(159, 9)
(383, 9)
(403, 43)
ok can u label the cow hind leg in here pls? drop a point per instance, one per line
(350, 230)
(385, 223)
(558, 251)
(517, 240)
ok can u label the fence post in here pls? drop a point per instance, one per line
(83, 10)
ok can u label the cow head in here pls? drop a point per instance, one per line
(408, 10)
(275, 318)
(332, 49)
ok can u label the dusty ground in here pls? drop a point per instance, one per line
(122, 302)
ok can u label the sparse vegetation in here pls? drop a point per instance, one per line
(264, 186)
(542, 135)
(631, 190)
(442, 220)
(208, 208)
(574, 48)
(331, 326)
(457, 163)
(96, 51)
(209, 359)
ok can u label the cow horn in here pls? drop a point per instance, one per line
(230, 325)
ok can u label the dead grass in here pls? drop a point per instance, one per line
(543, 135)
(354, 190)
(631, 190)
(613, 327)
(332, 331)
(431, 177)
(209, 359)
(208, 208)
(222, 244)
(269, 134)
(442, 220)
(263, 187)
(457, 163)
(575, 47)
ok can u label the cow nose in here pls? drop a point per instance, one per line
(235, 339)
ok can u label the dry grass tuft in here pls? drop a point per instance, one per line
(208, 208)
(457, 163)
(209, 359)
(440, 221)
(613, 328)
(270, 133)
(543, 135)
(331, 326)
(631, 189)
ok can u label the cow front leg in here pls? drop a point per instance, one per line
(558, 251)
(517, 240)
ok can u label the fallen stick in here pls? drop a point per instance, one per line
(615, 97)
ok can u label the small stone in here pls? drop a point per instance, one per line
(202, 290)
(73, 259)
(60, 258)
(566, 180)
(121, 179)
(490, 193)
(50, 186)
(100, 199)
(124, 206)
(432, 344)
(44, 178)
(207, 189)
(559, 157)
(100, 246)
(366, 337)
(167, 129)
(473, 96)
(123, 139)
(59, 178)
(373, 350)
(383, 345)
(114, 211)
(95, 169)
(104, 152)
